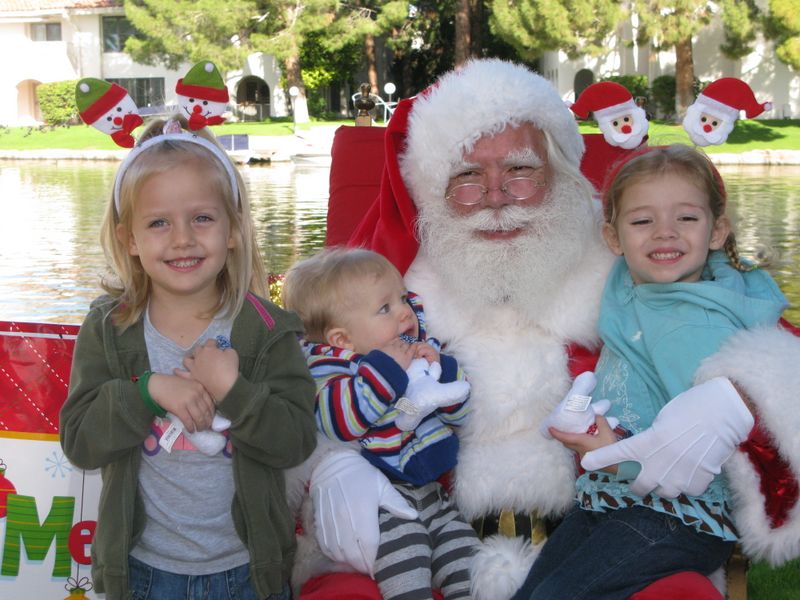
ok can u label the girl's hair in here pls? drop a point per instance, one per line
(676, 159)
(128, 283)
(321, 288)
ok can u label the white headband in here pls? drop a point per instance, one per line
(184, 136)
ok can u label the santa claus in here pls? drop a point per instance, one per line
(710, 119)
(622, 122)
(511, 277)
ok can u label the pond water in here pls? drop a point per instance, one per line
(51, 259)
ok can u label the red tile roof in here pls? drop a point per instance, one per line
(36, 5)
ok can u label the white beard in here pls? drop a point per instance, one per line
(523, 273)
(693, 126)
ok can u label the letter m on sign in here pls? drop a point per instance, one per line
(23, 529)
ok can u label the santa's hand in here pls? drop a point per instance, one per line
(425, 394)
(347, 492)
(576, 412)
(687, 444)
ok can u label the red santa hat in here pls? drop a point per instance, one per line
(727, 96)
(605, 99)
(428, 136)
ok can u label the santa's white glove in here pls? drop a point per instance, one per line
(347, 491)
(210, 442)
(425, 394)
(687, 444)
(576, 412)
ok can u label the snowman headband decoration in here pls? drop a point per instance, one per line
(202, 98)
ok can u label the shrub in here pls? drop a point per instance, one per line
(663, 93)
(57, 102)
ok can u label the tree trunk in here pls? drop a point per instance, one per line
(463, 32)
(476, 21)
(684, 78)
(372, 67)
(294, 79)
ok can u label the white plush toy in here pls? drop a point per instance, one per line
(425, 394)
(576, 413)
(211, 441)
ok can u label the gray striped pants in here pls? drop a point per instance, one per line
(434, 550)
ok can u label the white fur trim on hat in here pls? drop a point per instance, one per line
(482, 98)
(618, 109)
(716, 108)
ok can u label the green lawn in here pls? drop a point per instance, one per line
(82, 137)
(764, 583)
(747, 135)
(773, 134)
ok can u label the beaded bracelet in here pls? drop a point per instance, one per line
(144, 379)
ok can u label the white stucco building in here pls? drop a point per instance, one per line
(55, 40)
(769, 78)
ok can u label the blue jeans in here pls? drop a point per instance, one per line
(611, 555)
(148, 583)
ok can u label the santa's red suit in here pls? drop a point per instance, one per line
(513, 317)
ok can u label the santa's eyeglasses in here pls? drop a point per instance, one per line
(516, 189)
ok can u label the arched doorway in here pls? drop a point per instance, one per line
(28, 111)
(252, 99)
(583, 79)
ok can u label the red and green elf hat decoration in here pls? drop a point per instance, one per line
(202, 95)
(109, 108)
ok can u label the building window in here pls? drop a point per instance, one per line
(145, 91)
(46, 32)
(116, 31)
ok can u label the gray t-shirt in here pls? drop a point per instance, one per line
(187, 495)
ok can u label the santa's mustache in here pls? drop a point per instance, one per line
(506, 218)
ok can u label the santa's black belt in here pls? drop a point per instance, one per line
(528, 525)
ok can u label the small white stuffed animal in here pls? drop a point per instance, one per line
(576, 412)
(425, 394)
(209, 442)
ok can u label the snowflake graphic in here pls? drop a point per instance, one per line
(57, 464)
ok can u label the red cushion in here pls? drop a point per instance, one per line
(687, 585)
(351, 586)
(356, 167)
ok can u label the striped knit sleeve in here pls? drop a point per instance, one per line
(353, 394)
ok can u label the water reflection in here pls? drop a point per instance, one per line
(49, 236)
(52, 262)
(765, 210)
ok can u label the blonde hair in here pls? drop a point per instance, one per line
(678, 159)
(128, 282)
(320, 288)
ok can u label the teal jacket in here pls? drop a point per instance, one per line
(271, 406)
(654, 337)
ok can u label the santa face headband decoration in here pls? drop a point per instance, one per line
(710, 119)
(202, 98)
(622, 123)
